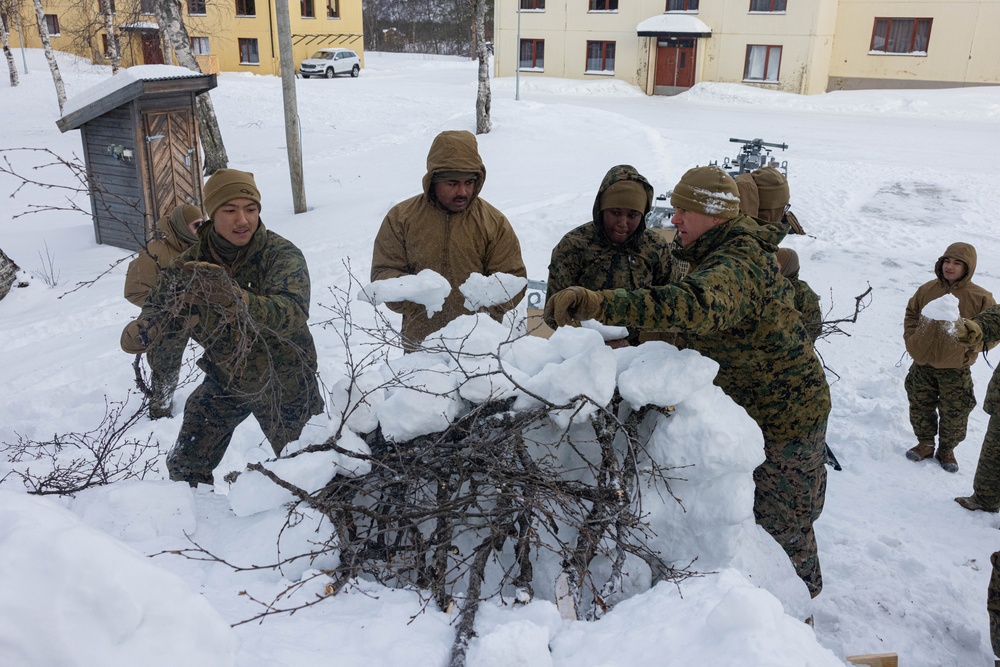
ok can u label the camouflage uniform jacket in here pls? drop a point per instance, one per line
(989, 320)
(586, 257)
(143, 271)
(928, 341)
(281, 360)
(420, 234)
(736, 308)
(807, 303)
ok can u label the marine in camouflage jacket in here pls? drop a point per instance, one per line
(989, 320)
(736, 308)
(586, 257)
(280, 358)
(807, 303)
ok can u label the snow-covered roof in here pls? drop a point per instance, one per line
(673, 24)
(140, 25)
(123, 79)
(123, 87)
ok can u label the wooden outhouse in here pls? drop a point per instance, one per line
(141, 148)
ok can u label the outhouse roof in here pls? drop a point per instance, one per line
(129, 84)
(673, 25)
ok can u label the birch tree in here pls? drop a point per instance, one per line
(483, 124)
(5, 11)
(43, 32)
(168, 15)
(114, 53)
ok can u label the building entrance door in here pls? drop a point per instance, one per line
(674, 63)
(152, 51)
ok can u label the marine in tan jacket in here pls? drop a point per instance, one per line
(450, 229)
(174, 234)
(939, 382)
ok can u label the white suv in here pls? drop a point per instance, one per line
(331, 62)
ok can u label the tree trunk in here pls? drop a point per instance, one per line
(114, 53)
(43, 32)
(483, 124)
(168, 15)
(294, 147)
(11, 67)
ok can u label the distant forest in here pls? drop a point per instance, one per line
(442, 27)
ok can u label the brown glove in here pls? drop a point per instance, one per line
(138, 335)
(968, 332)
(209, 285)
(573, 305)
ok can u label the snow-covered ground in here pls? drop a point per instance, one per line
(882, 181)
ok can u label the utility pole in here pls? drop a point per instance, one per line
(293, 139)
(517, 55)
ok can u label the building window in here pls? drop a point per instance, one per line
(246, 8)
(901, 35)
(533, 5)
(104, 43)
(307, 9)
(200, 46)
(682, 5)
(196, 7)
(146, 7)
(248, 52)
(333, 9)
(767, 5)
(52, 25)
(604, 5)
(763, 63)
(532, 54)
(601, 57)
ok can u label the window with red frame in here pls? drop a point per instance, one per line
(763, 63)
(767, 5)
(532, 54)
(600, 56)
(682, 5)
(901, 35)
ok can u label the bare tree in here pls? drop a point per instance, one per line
(482, 52)
(113, 52)
(5, 11)
(168, 15)
(43, 32)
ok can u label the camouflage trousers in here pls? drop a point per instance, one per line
(164, 359)
(986, 483)
(212, 413)
(993, 603)
(940, 402)
(788, 499)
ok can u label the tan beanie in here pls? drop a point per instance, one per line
(625, 194)
(708, 190)
(226, 185)
(788, 259)
(772, 188)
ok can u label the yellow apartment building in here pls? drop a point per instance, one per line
(226, 35)
(799, 46)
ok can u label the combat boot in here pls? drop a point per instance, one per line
(946, 457)
(161, 403)
(922, 451)
(973, 504)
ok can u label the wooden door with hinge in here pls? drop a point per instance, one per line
(173, 160)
